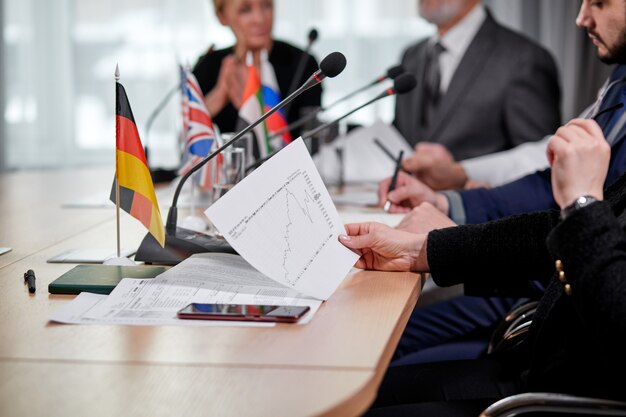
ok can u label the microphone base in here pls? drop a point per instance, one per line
(179, 247)
(161, 175)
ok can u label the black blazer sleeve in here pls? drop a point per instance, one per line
(493, 254)
(591, 245)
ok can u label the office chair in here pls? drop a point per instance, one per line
(548, 403)
(513, 329)
(510, 333)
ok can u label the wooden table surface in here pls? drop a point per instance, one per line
(331, 366)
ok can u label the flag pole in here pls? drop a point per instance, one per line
(117, 180)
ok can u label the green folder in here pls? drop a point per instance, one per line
(99, 279)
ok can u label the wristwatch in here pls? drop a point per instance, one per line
(582, 201)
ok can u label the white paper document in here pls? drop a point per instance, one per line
(370, 215)
(204, 278)
(282, 220)
(362, 159)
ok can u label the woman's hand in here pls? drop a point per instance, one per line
(230, 84)
(385, 249)
(579, 156)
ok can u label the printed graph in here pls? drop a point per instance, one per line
(294, 221)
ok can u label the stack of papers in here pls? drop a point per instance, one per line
(282, 222)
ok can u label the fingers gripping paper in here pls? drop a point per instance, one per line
(282, 220)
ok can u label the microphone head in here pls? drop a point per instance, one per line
(333, 64)
(313, 34)
(404, 83)
(393, 72)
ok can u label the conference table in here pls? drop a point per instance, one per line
(331, 366)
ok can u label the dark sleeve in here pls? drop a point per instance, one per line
(494, 253)
(285, 59)
(311, 98)
(591, 245)
(207, 71)
(532, 99)
(530, 193)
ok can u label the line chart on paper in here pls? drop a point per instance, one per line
(281, 219)
(295, 215)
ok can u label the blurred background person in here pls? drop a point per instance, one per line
(482, 88)
(222, 73)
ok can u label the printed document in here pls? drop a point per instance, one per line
(282, 220)
(203, 278)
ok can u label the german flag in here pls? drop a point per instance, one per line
(136, 189)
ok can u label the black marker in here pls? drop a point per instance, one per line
(29, 278)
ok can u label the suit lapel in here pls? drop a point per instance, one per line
(471, 65)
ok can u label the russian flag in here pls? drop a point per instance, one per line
(271, 97)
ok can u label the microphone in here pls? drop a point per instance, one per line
(391, 74)
(313, 35)
(402, 84)
(180, 243)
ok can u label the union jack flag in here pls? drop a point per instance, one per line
(198, 131)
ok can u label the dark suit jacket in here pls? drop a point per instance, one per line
(504, 92)
(577, 342)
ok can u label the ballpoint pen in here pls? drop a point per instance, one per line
(394, 179)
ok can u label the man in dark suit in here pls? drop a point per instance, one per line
(482, 88)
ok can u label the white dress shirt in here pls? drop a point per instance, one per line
(456, 41)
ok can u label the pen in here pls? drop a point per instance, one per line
(394, 179)
(387, 152)
(29, 278)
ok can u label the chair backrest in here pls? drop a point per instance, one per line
(513, 329)
(552, 403)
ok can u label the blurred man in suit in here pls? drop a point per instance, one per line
(483, 88)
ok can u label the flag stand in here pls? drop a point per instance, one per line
(118, 260)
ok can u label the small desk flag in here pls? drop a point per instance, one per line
(198, 130)
(271, 97)
(252, 107)
(132, 174)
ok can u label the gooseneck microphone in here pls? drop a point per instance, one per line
(402, 84)
(181, 243)
(391, 74)
(313, 35)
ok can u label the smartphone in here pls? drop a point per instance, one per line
(242, 312)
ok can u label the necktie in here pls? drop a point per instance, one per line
(432, 82)
(615, 93)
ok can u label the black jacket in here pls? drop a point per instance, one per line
(576, 342)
